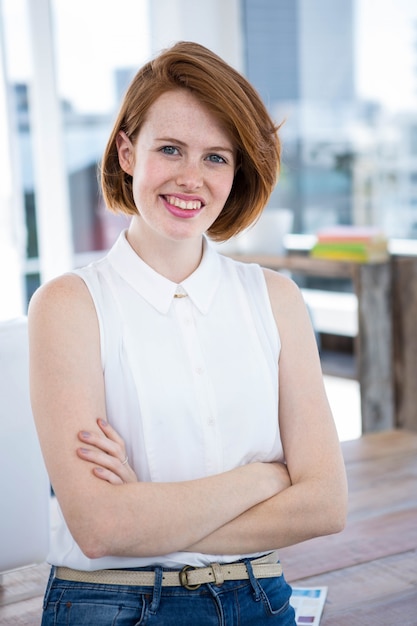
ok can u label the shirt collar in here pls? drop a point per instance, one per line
(159, 291)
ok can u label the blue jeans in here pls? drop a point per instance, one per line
(234, 603)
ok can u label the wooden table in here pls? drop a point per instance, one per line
(372, 284)
(370, 568)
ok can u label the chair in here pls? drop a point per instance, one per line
(24, 484)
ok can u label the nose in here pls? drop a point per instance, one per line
(189, 175)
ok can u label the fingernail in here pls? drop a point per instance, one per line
(84, 450)
(102, 422)
(85, 434)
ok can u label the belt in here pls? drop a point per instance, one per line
(189, 577)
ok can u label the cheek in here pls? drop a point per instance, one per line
(152, 170)
(226, 187)
(146, 178)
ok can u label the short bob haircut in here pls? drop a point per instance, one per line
(237, 106)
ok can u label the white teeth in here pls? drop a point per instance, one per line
(192, 205)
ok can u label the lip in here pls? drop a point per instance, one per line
(178, 211)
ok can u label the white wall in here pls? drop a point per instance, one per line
(12, 234)
(215, 24)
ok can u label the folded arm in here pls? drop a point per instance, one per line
(67, 392)
(312, 495)
(315, 502)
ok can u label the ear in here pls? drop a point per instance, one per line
(126, 152)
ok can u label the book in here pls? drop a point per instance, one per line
(351, 233)
(360, 244)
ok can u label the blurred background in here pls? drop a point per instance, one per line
(341, 74)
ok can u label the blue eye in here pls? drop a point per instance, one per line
(169, 150)
(216, 158)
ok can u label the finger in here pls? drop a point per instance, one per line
(109, 463)
(103, 443)
(98, 457)
(107, 475)
(112, 435)
(110, 432)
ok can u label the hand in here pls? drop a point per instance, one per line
(282, 476)
(108, 453)
(275, 477)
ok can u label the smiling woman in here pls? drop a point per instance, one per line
(179, 190)
(177, 393)
(240, 117)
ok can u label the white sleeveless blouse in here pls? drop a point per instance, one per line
(191, 382)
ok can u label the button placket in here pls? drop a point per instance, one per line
(202, 386)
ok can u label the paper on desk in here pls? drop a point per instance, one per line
(308, 603)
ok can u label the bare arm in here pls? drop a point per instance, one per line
(315, 503)
(311, 499)
(67, 391)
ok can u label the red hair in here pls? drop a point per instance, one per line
(232, 100)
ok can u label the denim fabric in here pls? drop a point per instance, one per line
(234, 603)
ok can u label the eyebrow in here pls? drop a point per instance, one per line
(182, 143)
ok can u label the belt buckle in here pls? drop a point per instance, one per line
(184, 579)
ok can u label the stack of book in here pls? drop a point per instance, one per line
(363, 244)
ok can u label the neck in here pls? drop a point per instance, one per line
(176, 260)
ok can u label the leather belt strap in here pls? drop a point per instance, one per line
(189, 577)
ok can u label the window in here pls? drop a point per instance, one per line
(342, 76)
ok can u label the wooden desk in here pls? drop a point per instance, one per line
(371, 567)
(373, 346)
(386, 345)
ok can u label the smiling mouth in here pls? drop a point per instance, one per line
(187, 205)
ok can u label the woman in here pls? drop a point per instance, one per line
(177, 393)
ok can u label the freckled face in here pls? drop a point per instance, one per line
(183, 165)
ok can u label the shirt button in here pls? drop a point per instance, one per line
(199, 370)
